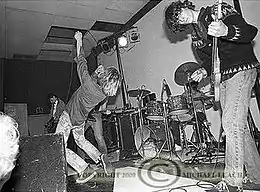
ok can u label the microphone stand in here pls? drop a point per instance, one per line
(139, 98)
(166, 126)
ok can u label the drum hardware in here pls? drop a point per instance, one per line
(177, 105)
(148, 98)
(189, 91)
(138, 92)
(169, 141)
(148, 142)
(154, 111)
(182, 77)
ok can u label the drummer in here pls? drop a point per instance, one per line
(200, 100)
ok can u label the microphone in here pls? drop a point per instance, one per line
(167, 88)
(163, 89)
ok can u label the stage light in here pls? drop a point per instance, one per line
(134, 35)
(105, 46)
(122, 41)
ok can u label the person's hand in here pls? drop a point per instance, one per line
(199, 74)
(217, 29)
(107, 112)
(100, 69)
(78, 36)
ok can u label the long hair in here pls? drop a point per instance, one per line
(172, 15)
(9, 140)
(109, 79)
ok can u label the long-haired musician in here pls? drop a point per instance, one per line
(93, 89)
(238, 70)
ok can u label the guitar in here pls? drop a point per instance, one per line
(51, 125)
(216, 76)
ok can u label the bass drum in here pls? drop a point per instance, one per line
(154, 141)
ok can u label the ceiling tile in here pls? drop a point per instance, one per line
(115, 16)
(73, 22)
(97, 3)
(127, 6)
(48, 7)
(78, 11)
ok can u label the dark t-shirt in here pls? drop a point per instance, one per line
(86, 97)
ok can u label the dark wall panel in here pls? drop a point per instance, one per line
(2, 84)
(31, 81)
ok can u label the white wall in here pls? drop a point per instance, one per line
(156, 57)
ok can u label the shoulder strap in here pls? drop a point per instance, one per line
(237, 6)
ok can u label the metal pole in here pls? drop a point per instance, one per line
(125, 97)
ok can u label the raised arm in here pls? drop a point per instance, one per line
(82, 66)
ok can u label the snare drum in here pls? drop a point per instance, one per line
(177, 105)
(154, 110)
(182, 117)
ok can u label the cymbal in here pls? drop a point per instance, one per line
(184, 71)
(138, 92)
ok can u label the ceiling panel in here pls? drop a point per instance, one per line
(48, 7)
(126, 6)
(97, 3)
(65, 21)
(78, 11)
(115, 16)
(27, 32)
(25, 24)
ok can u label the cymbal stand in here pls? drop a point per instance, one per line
(194, 112)
(201, 148)
(139, 111)
(206, 127)
(168, 138)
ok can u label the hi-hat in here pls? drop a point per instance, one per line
(138, 92)
(183, 72)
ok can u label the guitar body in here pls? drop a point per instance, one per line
(51, 125)
(216, 76)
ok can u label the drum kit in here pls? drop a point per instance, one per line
(154, 137)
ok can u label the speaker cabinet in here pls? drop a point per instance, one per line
(41, 165)
(127, 125)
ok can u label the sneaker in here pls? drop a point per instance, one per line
(222, 186)
(105, 163)
(249, 185)
(178, 147)
(86, 175)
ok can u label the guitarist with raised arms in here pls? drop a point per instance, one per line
(234, 71)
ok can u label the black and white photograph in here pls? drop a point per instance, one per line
(129, 96)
